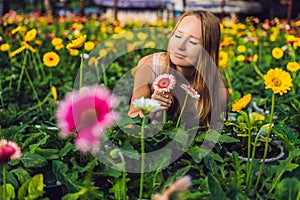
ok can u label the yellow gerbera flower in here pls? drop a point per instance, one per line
(278, 80)
(56, 41)
(77, 43)
(277, 53)
(4, 47)
(241, 103)
(293, 66)
(89, 46)
(30, 35)
(51, 59)
(150, 44)
(241, 48)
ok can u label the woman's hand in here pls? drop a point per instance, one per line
(162, 98)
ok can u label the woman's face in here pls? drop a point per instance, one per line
(184, 45)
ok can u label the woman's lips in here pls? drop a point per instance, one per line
(180, 56)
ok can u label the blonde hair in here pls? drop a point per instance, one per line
(206, 80)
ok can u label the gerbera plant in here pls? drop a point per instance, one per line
(280, 82)
(9, 150)
(189, 92)
(87, 113)
(147, 106)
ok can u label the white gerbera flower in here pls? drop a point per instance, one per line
(147, 105)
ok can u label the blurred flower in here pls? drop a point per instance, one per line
(164, 83)
(142, 36)
(259, 116)
(223, 59)
(278, 80)
(102, 53)
(56, 41)
(293, 66)
(73, 52)
(179, 186)
(77, 43)
(241, 48)
(54, 92)
(9, 150)
(241, 103)
(147, 105)
(17, 51)
(149, 44)
(89, 46)
(4, 47)
(88, 112)
(240, 58)
(30, 35)
(277, 53)
(51, 59)
(190, 91)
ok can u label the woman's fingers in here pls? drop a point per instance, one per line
(162, 98)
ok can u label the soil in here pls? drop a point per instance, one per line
(273, 150)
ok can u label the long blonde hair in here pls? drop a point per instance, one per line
(206, 78)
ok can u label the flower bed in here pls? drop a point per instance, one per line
(46, 61)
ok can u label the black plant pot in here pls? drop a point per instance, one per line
(55, 192)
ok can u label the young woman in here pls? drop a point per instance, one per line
(192, 57)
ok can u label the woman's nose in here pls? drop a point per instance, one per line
(182, 44)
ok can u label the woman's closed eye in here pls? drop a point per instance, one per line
(194, 41)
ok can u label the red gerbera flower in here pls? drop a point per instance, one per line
(164, 83)
(9, 150)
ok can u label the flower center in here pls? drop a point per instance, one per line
(88, 117)
(163, 83)
(276, 81)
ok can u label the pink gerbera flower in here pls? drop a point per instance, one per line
(164, 83)
(87, 112)
(189, 90)
(9, 150)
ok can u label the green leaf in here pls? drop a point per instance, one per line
(33, 160)
(32, 189)
(66, 149)
(22, 174)
(117, 189)
(74, 196)
(48, 153)
(63, 175)
(39, 143)
(288, 189)
(215, 188)
(33, 137)
(9, 191)
(295, 103)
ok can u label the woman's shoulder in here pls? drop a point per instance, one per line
(148, 59)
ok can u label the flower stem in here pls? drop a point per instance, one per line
(257, 70)
(142, 157)
(104, 75)
(4, 182)
(22, 71)
(181, 112)
(81, 71)
(33, 89)
(124, 175)
(267, 142)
